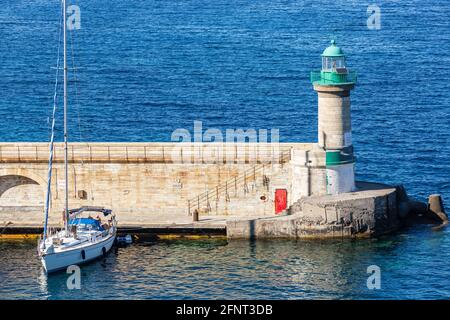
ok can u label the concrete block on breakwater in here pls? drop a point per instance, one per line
(371, 210)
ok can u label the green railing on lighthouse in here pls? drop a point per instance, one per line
(333, 78)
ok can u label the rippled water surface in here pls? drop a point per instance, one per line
(147, 68)
(412, 265)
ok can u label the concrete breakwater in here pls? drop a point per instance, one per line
(373, 209)
(150, 187)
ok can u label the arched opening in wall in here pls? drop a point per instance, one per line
(20, 193)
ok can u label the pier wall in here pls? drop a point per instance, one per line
(139, 180)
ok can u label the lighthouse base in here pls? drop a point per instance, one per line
(340, 178)
(372, 210)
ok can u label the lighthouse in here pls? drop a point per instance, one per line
(333, 84)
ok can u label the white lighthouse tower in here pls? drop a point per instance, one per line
(333, 85)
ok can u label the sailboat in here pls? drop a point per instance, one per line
(83, 237)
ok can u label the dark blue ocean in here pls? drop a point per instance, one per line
(146, 68)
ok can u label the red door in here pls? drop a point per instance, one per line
(280, 200)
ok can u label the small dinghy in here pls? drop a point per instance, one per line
(124, 240)
(84, 239)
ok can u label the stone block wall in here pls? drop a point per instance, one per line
(138, 180)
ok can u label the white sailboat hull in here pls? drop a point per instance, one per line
(61, 260)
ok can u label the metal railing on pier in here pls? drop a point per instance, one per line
(231, 186)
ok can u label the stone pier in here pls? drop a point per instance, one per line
(143, 181)
(159, 185)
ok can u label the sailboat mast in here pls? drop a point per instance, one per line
(66, 192)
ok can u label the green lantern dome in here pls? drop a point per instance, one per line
(334, 70)
(333, 51)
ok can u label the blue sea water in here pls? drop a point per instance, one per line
(146, 68)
